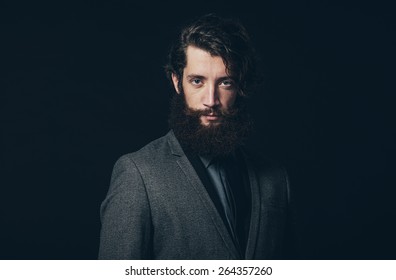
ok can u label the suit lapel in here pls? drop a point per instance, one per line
(204, 178)
(255, 210)
(200, 190)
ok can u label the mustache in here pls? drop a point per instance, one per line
(215, 110)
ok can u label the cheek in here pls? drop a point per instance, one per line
(192, 99)
(228, 99)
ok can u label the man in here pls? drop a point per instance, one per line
(194, 193)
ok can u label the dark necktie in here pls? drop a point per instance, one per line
(217, 169)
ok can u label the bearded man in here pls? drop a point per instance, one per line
(194, 193)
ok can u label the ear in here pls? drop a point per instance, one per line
(175, 81)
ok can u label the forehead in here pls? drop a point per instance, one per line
(199, 60)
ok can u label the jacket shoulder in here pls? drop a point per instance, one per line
(150, 152)
(272, 177)
(154, 158)
(263, 163)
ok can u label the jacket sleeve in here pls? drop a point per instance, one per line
(125, 215)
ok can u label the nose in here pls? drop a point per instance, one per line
(211, 98)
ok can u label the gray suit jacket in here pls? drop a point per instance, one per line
(158, 208)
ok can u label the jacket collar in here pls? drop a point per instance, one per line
(174, 145)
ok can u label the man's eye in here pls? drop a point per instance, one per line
(226, 83)
(196, 81)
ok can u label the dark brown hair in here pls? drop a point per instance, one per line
(222, 37)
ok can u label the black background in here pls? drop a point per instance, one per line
(82, 83)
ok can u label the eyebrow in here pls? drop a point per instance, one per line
(204, 78)
(195, 76)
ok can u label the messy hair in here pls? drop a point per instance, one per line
(218, 36)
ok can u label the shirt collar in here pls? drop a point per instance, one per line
(206, 160)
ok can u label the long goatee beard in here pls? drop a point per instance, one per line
(215, 140)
